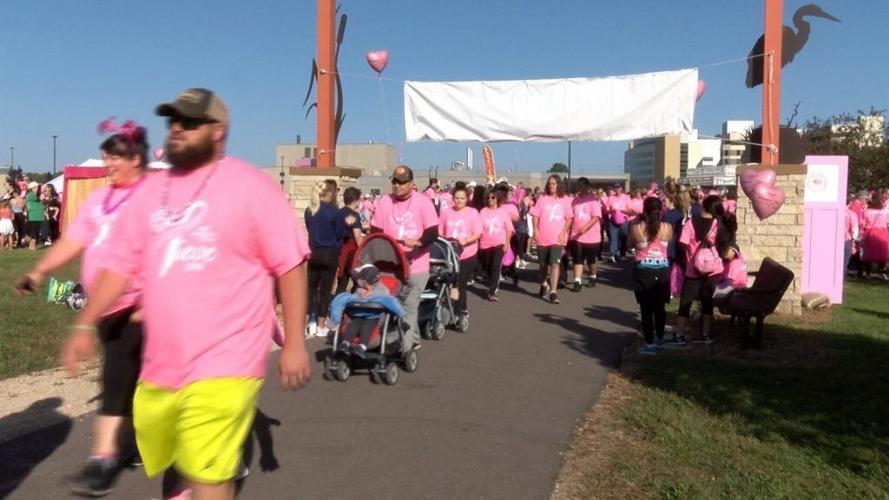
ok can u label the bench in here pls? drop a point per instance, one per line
(758, 301)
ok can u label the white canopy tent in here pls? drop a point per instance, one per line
(59, 182)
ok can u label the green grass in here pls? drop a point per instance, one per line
(807, 417)
(31, 330)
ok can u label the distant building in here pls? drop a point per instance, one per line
(871, 128)
(653, 159)
(372, 159)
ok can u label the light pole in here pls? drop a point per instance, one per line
(11, 156)
(54, 154)
(569, 160)
(282, 173)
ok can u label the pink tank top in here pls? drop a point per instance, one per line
(652, 254)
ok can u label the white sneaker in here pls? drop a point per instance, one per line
(321, 332)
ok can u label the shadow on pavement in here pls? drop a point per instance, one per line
(19, 456)
(598, 344)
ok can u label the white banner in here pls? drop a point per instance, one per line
(613, 108)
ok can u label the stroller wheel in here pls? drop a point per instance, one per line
(342, 371)
(411, 361)
(436, 330)
(390, 376)
(426, 330)
(328, 369)
(463, 323)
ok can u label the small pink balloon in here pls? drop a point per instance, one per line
(766, 200)
(702, 86)
(508, 258)
(158, 154)
(378, 59)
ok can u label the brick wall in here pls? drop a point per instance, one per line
(780, 236)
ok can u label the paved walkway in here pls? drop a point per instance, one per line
(487, 415)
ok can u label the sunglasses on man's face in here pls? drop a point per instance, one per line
(396, 182)
(188, 123)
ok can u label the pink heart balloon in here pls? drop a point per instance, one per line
(750, 178)
(158, 154)
(766, 200)
(702, 86)
(378, 59)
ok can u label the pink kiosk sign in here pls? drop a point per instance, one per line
(825, 225)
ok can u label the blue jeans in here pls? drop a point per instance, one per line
(617, 237)
(847, 255)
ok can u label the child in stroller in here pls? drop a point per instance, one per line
(369, 331)
(362, 321)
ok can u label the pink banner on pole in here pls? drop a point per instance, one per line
(824, 226)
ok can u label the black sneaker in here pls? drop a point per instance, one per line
(95, 479)
(576, 286)
(702, 339)
(554, 297)
(543, 290)
(591, 282)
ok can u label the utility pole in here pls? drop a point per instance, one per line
(11, 156)
(282, 173)
(569, 160)
(771, 82)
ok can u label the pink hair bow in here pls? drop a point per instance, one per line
(129, 129)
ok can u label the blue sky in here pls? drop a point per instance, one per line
(66, 65)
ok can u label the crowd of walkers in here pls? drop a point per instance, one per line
(29, 213)
(183, 279)
(867, 233)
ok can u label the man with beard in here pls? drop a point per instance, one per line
(210, 265)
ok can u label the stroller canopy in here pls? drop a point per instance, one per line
(383, 252)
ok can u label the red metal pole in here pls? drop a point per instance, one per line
(771, 82)
(326, 156)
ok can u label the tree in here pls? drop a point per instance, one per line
(861, 137)
(558, 168)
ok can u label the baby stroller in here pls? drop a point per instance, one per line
(383, 353)
(436, 305)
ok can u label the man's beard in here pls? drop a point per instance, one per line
(191, 156)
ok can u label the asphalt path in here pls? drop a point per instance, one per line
(487, 415)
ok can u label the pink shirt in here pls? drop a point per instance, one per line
(689, 239)
(730, 206)
(209, 277)
(406, 220)
(512, 210)
(496, 226)
(636, 204)
(851, 224)
(876, 219)
(460, 225)
(445, 201)
(551, 214)
(92, 229)
(616, 205)
(584, 209)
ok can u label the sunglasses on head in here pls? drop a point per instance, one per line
(187, 122)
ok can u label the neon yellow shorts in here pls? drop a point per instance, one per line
(200, 428)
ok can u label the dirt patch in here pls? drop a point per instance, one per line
(598, 438)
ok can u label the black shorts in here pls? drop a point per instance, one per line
(549, 255)
(583, 253)
(122, 341)
(693, 289)
(34, 229)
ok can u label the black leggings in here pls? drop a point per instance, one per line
(467, 269)
(122, 342)
(652, 290)
(697, 289)
(322, 272)
(491, 260)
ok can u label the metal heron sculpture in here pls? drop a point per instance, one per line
(791, 42)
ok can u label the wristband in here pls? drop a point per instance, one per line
(83, 328)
